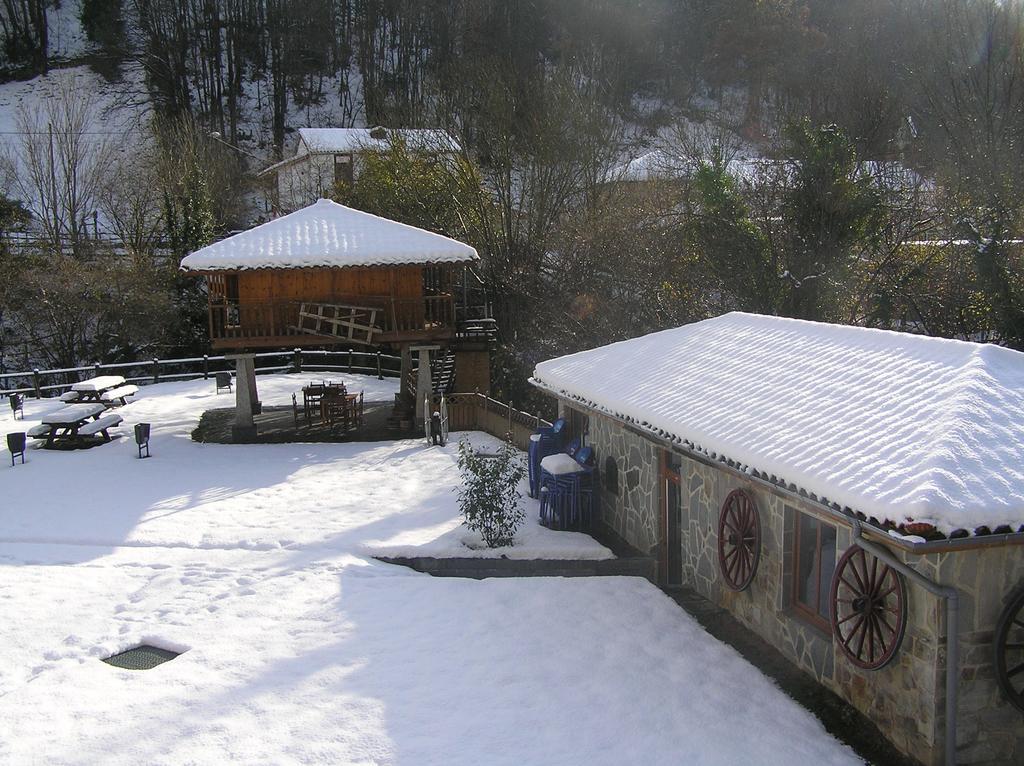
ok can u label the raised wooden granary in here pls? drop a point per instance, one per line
(332, 276)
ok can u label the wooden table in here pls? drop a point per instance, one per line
(313, 395)
(104, 389)
(75, 425)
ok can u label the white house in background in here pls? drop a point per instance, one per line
(326, 156)
(664, 165)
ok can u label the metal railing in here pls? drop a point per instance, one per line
(42, 383)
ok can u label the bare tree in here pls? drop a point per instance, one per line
(60, 164)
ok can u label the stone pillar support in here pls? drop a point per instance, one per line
(423, 382)
(247, 401)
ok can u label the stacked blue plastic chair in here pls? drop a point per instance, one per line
(545, 441)
(567, 492)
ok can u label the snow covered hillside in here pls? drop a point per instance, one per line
(299, 647)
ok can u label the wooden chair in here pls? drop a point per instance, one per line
(337, 411)
(311, 396)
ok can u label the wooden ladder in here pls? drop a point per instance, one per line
(354, 324)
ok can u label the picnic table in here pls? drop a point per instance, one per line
(104, 389)
(77, 425)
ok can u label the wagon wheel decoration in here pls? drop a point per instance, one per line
(869, 609)
(1009, 645)
(739, 539)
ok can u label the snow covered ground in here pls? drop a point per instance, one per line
(300, 648)
(384, 498)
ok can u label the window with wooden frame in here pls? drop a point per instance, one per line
(814, 561)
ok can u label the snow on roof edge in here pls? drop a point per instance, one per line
(208, 254)
(695, 451)
(636, 414)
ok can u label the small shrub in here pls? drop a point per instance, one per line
(489, 496)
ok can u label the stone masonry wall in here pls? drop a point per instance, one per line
(906, 697)
(989, 729)
(632, 512)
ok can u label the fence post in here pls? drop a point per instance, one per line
(206, 366)
(156, 370)
(96, 366)
(297, 359)
(380, 375)
(37, 383)
(510, 416)
(350, 361)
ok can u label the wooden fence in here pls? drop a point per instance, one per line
(42, 383)
(477, 412)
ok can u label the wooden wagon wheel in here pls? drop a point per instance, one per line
(869, 609)
(1009, 646)
(739, 539)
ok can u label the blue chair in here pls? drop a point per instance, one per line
(545, 441)
(567, 493)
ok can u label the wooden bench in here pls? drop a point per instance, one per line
(41, 431)
(100, 426)
(121, 393)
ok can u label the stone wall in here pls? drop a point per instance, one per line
(632, 510)
(989, 729)
(906, 697)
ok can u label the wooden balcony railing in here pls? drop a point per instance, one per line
(375, 319)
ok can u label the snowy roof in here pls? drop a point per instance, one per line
(892, 425)
(655, 165)
(350, 140)
(362, 139)
(662, 165)
(328, 234)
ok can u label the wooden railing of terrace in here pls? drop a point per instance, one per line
(358, 320)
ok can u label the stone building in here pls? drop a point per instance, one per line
(853, 496)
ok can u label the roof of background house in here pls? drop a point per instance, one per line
(328, 234)
(362, 139)
(314, 141)
(895, 426)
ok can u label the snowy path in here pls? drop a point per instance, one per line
(302, 649)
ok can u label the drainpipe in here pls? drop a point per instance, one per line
(952, 598)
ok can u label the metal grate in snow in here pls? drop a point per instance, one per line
(143, 657)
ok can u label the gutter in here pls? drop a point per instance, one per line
(949, 545)
(952, 598)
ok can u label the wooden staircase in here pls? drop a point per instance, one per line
(442, 379)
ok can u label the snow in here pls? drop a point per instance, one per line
(900, 427)
(99, 383)
(72, 413)
(655, 165)
(330, 140)
(300, 648)
(559, 464)
(327, 234)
